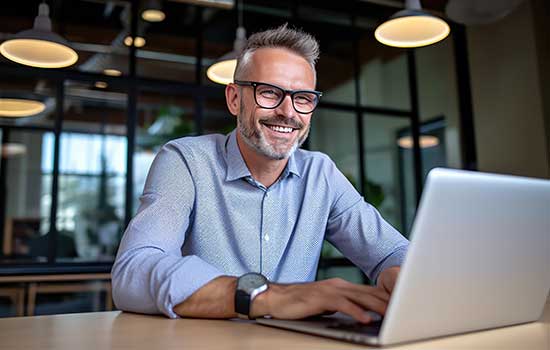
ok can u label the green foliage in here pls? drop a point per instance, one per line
(169, 124)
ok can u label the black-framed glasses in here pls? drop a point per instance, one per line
(271, 96)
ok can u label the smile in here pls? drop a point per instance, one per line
(281, 129)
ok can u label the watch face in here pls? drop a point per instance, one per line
(251, 281)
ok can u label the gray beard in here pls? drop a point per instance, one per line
(257, 141)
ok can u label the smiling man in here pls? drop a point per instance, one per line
(234, 225)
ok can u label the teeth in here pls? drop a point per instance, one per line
(280, 129)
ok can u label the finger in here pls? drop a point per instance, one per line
(360, 289)
(370, 298)
(368, 301)
(353, 310)
(378, 292)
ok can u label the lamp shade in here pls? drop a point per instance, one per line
(412, 28)
(39, 46)
(153, 15)
(13, 149)
(20, 107)
(112, 72)
(139, 42)
(223, 69)
(426, 141)
(152, 11)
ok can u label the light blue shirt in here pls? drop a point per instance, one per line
(202, 215)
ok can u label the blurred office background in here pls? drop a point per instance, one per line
(72, 171)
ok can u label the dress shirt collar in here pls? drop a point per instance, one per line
(236, 167)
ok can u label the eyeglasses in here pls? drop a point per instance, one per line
(271, 96)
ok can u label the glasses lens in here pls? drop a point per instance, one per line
(268, 96)
(305, 102)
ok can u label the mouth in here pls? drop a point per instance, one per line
(280, 129)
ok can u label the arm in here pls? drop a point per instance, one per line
(358, 230)
(214, 300)
(287, 301)
(149, 274)
(293, 301)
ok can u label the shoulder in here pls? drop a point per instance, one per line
(190, 150)
(204, 143)
(320, 169)
(196, 147)
(315, 161)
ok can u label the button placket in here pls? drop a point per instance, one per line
(264, 234)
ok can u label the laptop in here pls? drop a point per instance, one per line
(479, 258)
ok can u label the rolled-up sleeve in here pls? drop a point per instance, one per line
(150, 275)
(358, 230)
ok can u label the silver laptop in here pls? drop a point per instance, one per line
(479, 258)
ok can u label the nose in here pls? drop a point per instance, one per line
(286, 108)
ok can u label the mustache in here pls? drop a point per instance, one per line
(280, 120)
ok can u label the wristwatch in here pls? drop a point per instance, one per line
(249, 286)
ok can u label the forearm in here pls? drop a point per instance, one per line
(287, 301)
(213, 300)
(148, 280)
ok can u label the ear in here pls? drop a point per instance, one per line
(232, 98)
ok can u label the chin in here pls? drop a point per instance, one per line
(283, 155)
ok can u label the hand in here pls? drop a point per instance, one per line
(295, 301)
(387, 279)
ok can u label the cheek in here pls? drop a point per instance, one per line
(306, 121)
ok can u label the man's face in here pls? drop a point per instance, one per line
(275, 133)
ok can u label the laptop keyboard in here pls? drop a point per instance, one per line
(372, 328)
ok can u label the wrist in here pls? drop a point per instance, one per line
(260, 305)
(250, 286)
(230, 299)
(388, 277)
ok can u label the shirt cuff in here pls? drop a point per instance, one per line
(395, 259)
(184, 282)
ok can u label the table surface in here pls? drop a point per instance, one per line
(110, 330)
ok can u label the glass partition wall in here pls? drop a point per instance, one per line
(71, 174)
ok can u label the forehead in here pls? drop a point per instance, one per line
(281, 67)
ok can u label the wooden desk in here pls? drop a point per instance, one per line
(115, 329)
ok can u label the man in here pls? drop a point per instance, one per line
(215, 208)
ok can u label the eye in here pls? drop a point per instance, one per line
(304, 99)
(270, 93)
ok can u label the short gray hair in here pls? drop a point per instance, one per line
(294, 40)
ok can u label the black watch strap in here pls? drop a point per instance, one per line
(242, 303)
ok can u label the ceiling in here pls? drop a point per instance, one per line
(98, 27)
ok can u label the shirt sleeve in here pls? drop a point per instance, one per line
(150, 275)
(358, 230)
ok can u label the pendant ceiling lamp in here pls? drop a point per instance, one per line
(139, 42)
(12, 149)
(20, 107)
(426, 141)
(39, 46)
(112, 72)
(412, 27)
(152, 12)
(222, 70)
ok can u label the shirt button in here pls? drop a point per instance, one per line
(266, 237)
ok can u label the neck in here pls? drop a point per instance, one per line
(263, 169)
